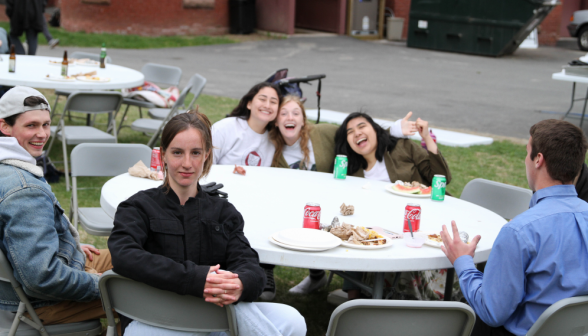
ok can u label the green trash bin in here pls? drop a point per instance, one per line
(480, 27)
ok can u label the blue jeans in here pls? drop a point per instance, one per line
(256, 318)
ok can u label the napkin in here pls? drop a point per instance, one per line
(141, 170)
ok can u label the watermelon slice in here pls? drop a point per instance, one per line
(406, 190)
(426, 191)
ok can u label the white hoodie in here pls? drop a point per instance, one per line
(12, 153)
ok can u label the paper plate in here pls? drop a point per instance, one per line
(389, 189)
(309, 238)
(436, 243)
(56, 78)
(58, 62)
(88, 63)
(298, 248)
(368, 247)
(93, 79)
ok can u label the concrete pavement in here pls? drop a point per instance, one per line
(500, 96)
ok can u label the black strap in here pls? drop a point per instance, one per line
(318, 101)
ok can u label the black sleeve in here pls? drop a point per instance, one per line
(130, 259)
(241, 258)
(9, 7)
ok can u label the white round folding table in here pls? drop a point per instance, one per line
(273, 199)
(33, 70)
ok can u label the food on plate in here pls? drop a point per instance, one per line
(435, 237)
(59, 62)
(87, 61)
(357, 235)
(347, 210)
(413, 187)
(92, 78)
(91, 73)
(239, 170)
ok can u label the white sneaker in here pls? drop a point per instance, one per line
(337, 297)
(308, 285)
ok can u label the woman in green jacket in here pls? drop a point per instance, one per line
(374, 154)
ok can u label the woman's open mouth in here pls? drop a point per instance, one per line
(290, 126)
(361, 142)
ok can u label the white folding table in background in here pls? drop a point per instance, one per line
(32, 71)
(273, 199)
(562, 76)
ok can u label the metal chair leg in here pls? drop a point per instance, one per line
(329, 279)
(65, 161)
(122, 120)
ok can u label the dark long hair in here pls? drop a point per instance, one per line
(386, 143)
(241, 110)
(29, 101)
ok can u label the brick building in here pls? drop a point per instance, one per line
(211, 17)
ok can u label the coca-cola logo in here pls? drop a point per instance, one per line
(440, 184)
(412, 214)
(312, 214)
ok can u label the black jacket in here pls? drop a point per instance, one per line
(159, 242)
(25, 15)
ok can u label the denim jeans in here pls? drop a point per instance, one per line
(256, 318)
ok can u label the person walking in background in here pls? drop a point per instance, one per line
(26, 16)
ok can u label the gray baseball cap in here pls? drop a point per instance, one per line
(12, 102)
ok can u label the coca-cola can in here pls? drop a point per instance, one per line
(412, 212)
(312, 216)
(156, 159)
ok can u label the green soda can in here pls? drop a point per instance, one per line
(340, 170)
(438, 190)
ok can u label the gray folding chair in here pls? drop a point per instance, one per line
(76, 55)
(565, 317)
(197, 87)
(161, 308)
(10, 322)
(91, 102)
(506, 200)
(158, 74)
(97, 159)
(153, 126)
(401, 317)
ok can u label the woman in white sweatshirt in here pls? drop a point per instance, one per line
(243, 137)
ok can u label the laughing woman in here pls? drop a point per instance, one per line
(375, 155)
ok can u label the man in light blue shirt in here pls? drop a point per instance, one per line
(541, 256)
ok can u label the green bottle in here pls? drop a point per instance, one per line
(103, 56)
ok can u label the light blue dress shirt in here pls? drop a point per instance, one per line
(539, 258)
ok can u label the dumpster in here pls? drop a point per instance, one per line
(480, 27)
(242, 16)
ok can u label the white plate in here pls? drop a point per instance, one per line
(60, 78)
(584, 59)
(58, 62)
(89, 63)
(298, 248)
(389, 189)
(367, 247)
(98, 80)
(309, 238)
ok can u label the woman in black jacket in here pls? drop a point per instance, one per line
(181, 239)
(26, 16)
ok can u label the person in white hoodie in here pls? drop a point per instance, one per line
(57, 273)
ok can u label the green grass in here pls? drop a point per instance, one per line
(502, 161)
(83, 39)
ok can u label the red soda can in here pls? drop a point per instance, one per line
(412, 212)
(312, 216)
(156, 159)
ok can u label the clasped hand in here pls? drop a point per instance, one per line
(222, 287)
